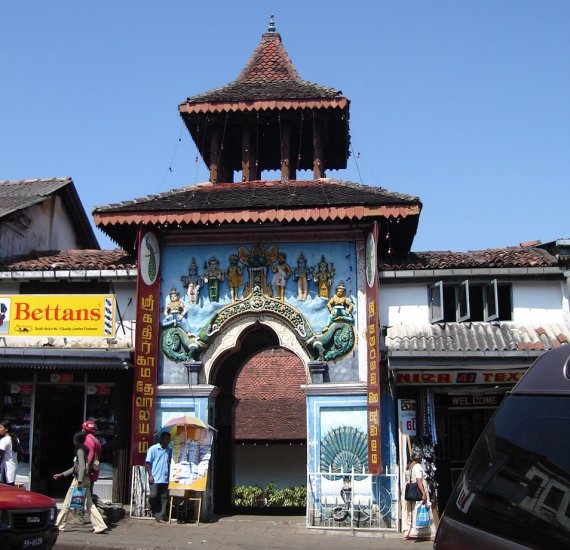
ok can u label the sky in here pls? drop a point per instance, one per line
(462, 103)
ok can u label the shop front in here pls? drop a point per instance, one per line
(47, 401)
(443, 411)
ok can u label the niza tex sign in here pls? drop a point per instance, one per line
(57, 315)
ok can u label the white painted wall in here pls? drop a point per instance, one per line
(533, 302)
(50, 229)
(566, 299)
(56, 234)
(403, 304)
(538, 302)
(285, 465)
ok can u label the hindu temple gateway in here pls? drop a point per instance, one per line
(258, 299)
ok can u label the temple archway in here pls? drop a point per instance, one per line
(260, 413)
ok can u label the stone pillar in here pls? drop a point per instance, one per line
(318, 370)
(193, 368)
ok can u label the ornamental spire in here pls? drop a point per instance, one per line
(271, 27)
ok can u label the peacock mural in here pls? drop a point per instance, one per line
(344, 449)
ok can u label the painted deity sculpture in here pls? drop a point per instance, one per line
(336, 340)
(257, 260)
(175, 312)
(213, 277)
(324, 277)
(340, 306)
(192, 282)
(235, 278)
(302, 273)
(281, 272)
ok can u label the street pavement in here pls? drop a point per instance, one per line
(225, 533)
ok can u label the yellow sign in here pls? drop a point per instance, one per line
(58, 315)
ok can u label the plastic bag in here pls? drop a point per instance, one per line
(77, 501)
(422, 517)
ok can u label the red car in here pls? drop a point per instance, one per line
(27, 520)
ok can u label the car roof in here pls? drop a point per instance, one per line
(550, 374)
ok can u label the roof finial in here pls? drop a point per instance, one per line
(271, 27)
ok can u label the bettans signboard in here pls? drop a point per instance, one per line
(58, 315)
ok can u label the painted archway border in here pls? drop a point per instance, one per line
(228, 339)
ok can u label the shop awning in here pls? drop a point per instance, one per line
(72, 359)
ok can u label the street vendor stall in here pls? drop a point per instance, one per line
(191, 451)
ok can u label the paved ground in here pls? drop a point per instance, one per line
(239, 532)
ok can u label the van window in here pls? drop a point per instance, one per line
(516, 483)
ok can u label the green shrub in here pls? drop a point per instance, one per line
(245, 495)
(291, 497)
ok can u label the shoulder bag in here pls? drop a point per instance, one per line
(412, 492)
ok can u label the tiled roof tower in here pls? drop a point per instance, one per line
(269, 118)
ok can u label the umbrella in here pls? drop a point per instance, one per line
(185, 420)
(184, 424)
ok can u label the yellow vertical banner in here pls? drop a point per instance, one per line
(373, 348)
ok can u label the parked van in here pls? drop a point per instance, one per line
(514, 491)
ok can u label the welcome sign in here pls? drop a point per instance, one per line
(57, 315)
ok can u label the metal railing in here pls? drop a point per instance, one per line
(353, 501)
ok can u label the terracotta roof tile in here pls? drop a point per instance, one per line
(268, 75)
(499, 257)
(70, 260)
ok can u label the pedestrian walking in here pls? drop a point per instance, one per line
(94, 455)
(9, 445)
(415, 474)
(79, 488)
(157, 466)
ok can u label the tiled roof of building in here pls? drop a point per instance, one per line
(268, 75)
(475, 337)
(261, 202)
(262, 194)
(518, 256)
(19, 194)
(271, 404)
(70, 260)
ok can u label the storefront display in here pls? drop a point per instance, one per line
(17, 408)
(45, 411)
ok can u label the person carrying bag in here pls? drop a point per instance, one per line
(417, 499)
(78, 496)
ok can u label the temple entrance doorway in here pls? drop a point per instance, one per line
(260, 415)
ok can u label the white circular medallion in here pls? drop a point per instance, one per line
(149, 258)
